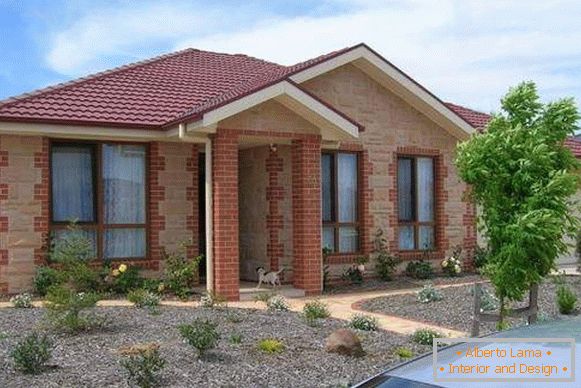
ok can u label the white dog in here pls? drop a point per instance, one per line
(268, 277)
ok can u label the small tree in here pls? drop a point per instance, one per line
(522, 177)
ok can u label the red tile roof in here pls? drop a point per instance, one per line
(477, 119)
(574, 145)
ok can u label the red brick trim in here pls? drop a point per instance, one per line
(156, 195)
(41, 194)
(266, 133)
(274, 218)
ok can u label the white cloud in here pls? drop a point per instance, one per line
(464, 51)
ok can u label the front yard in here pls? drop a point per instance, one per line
(91, 359)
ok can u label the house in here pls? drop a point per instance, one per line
(258, 164)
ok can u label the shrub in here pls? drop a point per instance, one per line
(425, 336)
(488, 301)
(363, 322)
(65, 309)
(480, 257)
(181, 273)
(325, 252)
(353, 275)
(212, 299)
(143, 365)
(124, 279)
(143, 298)
(452, 266)
(429, 294)
(202, 335)
(419, 269)
(22, 301)
(404, 352)
(566, 299)
(316, 310)
(270, 345)
(153, 285)
(277, 303)
(31, 354)
(47, 277)
(386, 263)
(234, 317)
(235, 338)
(263, 297)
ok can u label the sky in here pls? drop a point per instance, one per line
(467, 51)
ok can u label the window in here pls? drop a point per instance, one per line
(339, 172)
(415, 192)
(102, 187)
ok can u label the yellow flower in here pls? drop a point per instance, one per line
(161, 287)
(115, 273)
(122, 268)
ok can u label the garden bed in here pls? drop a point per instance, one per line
(92, 359)
(454, 311)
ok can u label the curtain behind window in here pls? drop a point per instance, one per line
(327, 186)
(72, 183)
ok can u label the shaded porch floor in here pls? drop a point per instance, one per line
(248, 290)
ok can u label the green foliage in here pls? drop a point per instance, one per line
(125, 278)
(325, 252)
(143, 367)
(480, 257)
(66, 309)
(429, 294)
(419, 269)
(353, 275)
(363, 322)
(181, 273)
(425, 336)
(201, 335)
(234, 317)
(316, 310)
(22, 301)
(452, 266)
(235, 338)
(578, 250)
(566, 299)
(263, 296)
(488, 302)
(522, 176)
(386, 263)
(404, 352)
(31, 354)
(270, 346)
(277, 303)
(212, 299)
(47, 277)
(143, 298)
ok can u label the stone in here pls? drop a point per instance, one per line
(345, 342)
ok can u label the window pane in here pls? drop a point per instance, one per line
(426, 237)
(404, 189)
(124, 243)
(425, 188)
(406, 237)
(72, 183)
(348, 239)
(328, 238)
(347, 186)
(327, 186)
(90, 235)
(124, 184)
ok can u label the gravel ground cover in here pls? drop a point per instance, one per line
(92, 360)
(454, 311)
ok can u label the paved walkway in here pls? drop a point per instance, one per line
(341, 306)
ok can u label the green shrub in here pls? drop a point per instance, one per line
(143, 298)
(65, 309)
(488, 302)
(429, 294)
(202, 335)
(181, 273)
(47, 277)
(419, 269)
(386, 263)
(316, 310)
(277, 303)
(480, 257)
(566, 299)
(263, 296)
(154, 285)
(404, 352)
(270, 345)
(325, 252)
(452, 266)
(425, 336)
(234, 317)
(212, 299)
(235, 338)
(125, 278)
(31, 354)
(363, 322)
(353, 275)
(22, 301)
(143, 365)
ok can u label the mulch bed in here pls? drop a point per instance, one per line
(92, 360)
(454, 311)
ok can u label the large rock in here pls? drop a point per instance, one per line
(345, 342)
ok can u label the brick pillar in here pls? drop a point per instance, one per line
(3, 222)
(274, 218)
(225, 198)
(306, 201)
(41, 162)
(156, 196)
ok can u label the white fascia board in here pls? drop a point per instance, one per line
(390, 71)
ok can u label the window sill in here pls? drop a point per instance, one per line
(343, 258)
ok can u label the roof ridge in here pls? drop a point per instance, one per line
(91, 77)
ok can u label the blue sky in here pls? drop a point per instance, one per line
(467, 51)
